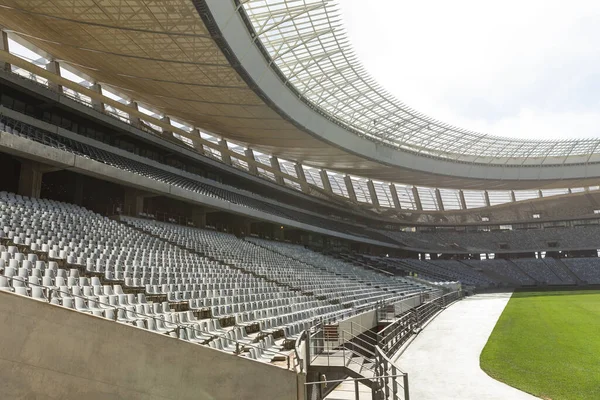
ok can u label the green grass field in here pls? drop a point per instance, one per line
(548, 344)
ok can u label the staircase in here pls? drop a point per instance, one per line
(369, 373)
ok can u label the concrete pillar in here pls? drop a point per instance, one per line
(97, 104)
(199, 217)
(373, 193)
(417, 198)
(197, 145)
(302, 177)
(168, 134)
(4, 47)
(325, 179)
(350, 187)
(133, 202)
(251, 167)
(513, 198)
(463, 202)
(78, 192)
(134, 120)
(487, 198)
(438, 196)
(54, 67)
(30, 179)
(275, 165)
(395, 197)
(225, 153)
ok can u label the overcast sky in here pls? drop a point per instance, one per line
(527, 69)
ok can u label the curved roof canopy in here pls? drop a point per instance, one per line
(306, 40)
(188, 59)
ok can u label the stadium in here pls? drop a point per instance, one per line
(213, 199)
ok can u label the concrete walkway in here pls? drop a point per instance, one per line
(443, 361)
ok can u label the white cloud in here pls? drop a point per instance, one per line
(514, 68)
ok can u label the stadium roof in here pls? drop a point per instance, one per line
(190, 59)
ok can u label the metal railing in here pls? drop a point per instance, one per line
(318, 385)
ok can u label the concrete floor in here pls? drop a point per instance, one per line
(443, 360)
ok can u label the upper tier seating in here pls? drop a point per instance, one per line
(185, 180)
(583, 237)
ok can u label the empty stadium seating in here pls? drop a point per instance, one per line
(166, 278)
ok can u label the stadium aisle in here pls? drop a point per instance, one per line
(443, 360)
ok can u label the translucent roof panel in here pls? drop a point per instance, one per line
(312, 176)
(526, 194)
(406, 197)
(474, 198)
(384, 195)
(307, 43)
(338, 185)
(428, 198)
(361, 189)
(450, 199)
(499, 197)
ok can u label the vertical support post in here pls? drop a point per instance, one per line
(513, 198)
(463, 202)
(251, 167)
(325, 179)
(487, 198)
(373, 193)
(275, 165)
(438, 197)
(302, 177)
(133, 119)
(405, 383)
(167, 134)
(350, 187)
(97, 104)
(30, 179)
(54, 67)
(4, 47)
(417, 198)
(225, 152)
(395, 197)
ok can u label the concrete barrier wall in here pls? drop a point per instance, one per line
(49, 352)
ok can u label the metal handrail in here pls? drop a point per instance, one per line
(176, 329)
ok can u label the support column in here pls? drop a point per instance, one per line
(199, 217)
(302, 177)
(350, 188)
(251, 167)
(541, 195)
(54, 67)
(30, 179)
(487, 198)
(513, 198)
(325, 179)
(78, 192)
(134, 120)
(225, 153)
(417, 198)
(197, 145)
(373, 193)
(133, 202)
(97, 104)
(167, 134)
(275, 165)
(438, 196)
(395, 197)
(463, 202)
(4, 47)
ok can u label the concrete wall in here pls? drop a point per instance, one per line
(49, 352)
